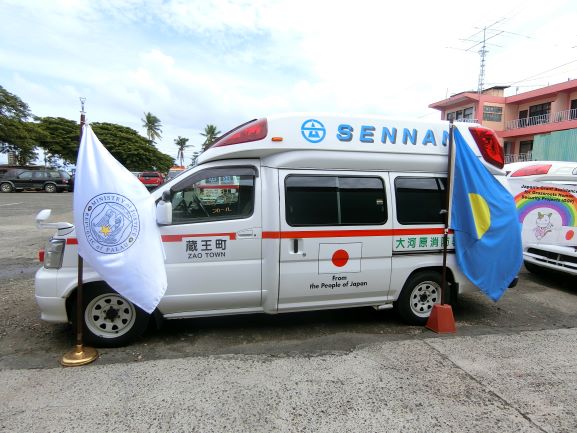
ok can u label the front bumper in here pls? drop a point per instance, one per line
(560, 259)
(52, 306)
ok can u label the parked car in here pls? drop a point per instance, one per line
(38, 180)
(151, 179)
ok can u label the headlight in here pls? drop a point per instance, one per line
(53, 253)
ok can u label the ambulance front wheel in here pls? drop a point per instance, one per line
(419, 294)
(110, 320)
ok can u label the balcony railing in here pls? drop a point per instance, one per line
(560, 116)
(518, 157)
(466, 120)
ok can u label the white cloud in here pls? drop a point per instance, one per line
(225, 61)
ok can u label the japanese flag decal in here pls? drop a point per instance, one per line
(340, 258)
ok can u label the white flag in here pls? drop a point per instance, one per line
(115, 222)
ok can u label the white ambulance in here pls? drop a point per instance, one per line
(290, 213)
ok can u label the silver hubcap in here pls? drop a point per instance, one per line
(423, 297)
(6, 187)
(109, 315)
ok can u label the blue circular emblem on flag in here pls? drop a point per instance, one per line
(111, 223)
(313, 131)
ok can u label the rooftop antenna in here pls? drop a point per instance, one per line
(487, 33)
(482, 52)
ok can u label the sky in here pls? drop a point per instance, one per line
(223, 62)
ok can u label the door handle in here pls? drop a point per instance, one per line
(245, 234)
(297, 247)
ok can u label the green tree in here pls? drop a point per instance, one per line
(181, 143)
(153, 127)
(131, 149)
(210, 134)
(59, 137)
(17, 134)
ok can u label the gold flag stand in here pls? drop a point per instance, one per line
(80, 355)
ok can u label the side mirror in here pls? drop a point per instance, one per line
(42, 216)
(41, 223)
(164, 209)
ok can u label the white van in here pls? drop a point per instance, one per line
(546, 198)
(290, 213)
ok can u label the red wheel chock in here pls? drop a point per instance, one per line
(441, 319)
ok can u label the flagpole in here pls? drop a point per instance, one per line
(80, 355)
(441, 319)
(447, 212)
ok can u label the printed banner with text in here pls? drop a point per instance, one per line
(547, 211)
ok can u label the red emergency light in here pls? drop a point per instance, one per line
(489, 146)
(251, 131)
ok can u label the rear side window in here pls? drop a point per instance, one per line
(25, 175)
(335, 200)
(39, 175)
(420, 199)
(150, 174)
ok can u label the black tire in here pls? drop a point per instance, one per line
(6, 187)
(50, 187)
(533, 268)
(110, 320)
(421, 291)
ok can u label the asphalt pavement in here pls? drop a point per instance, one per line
(509, 368)
(496, 383)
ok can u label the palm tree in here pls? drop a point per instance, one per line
(210, 133)
(153, 127)
(181, 143)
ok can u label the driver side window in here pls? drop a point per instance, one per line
(215, 196)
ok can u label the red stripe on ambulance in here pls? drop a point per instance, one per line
(304, 234)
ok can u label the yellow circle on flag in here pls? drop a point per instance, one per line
(481, 214)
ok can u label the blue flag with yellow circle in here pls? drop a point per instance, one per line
(485, 223)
